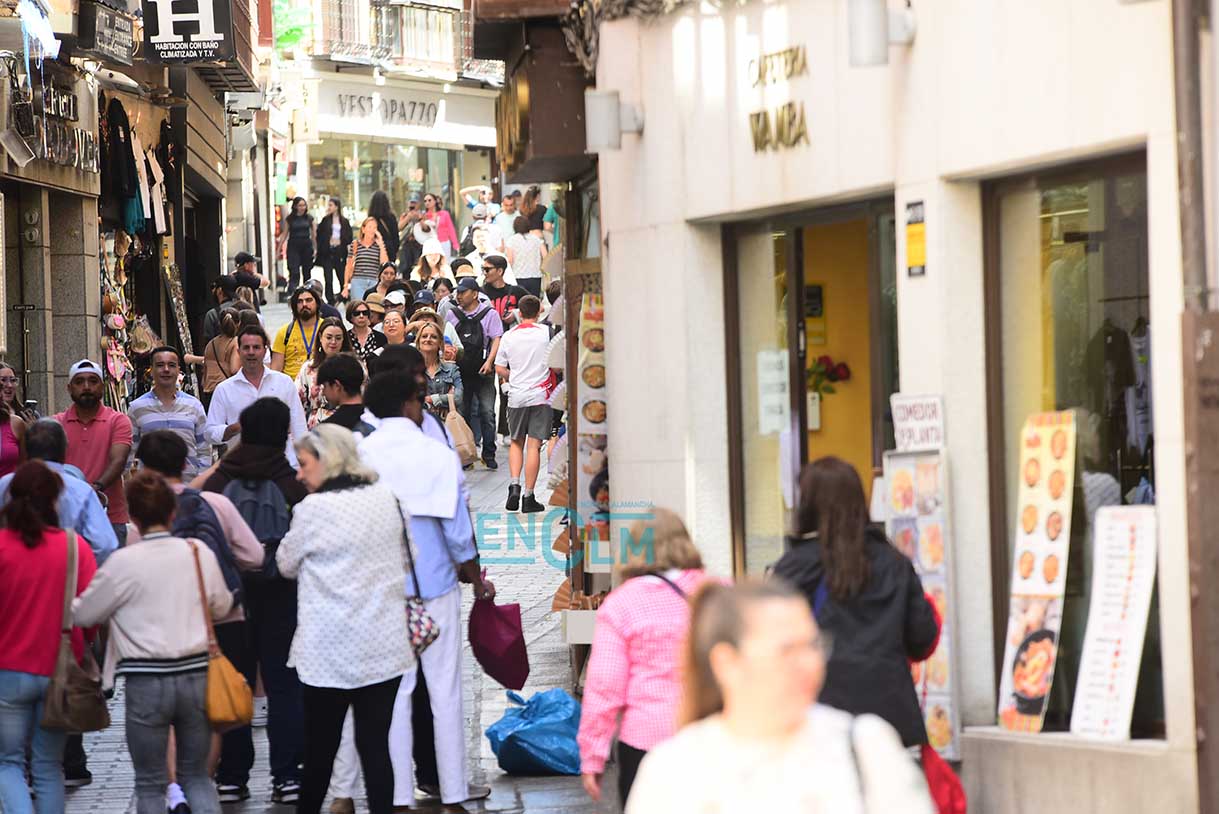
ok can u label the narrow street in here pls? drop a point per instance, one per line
(528, 579)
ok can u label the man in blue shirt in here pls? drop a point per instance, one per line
(165, 407)
(80, 508)
(426, 477)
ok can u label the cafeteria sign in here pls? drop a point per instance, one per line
(183, 35)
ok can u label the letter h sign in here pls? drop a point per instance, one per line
(185, 36)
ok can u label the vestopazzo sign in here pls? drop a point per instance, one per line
(176, 33)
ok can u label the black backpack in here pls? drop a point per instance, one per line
(473, 338)
(265, 510)
(195, 519)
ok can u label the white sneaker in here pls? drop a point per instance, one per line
(260, 712)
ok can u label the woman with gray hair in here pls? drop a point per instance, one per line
(351, 646)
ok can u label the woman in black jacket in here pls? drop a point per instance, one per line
(387, 221)
(865, 594)
(333, 238)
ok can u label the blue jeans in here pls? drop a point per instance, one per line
(154, 704)
(21, 701)
(478, 409)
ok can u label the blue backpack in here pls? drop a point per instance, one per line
(194, 518)
(265, 510)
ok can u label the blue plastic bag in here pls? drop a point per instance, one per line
(538, 736)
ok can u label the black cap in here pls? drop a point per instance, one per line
(467, 284)
(225, 283)
(458, 262)
(244, 257)
(425, 297)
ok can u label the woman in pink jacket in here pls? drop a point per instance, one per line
(446, 232)
(633, 685)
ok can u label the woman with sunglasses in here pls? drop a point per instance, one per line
(446, 232)
(365, 342)
(367, 257)
(752, 736)
(331, 340)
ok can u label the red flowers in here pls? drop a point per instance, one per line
(825, 372)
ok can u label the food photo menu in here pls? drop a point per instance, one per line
(1039, 574)
(1123, 577)
(917, 496)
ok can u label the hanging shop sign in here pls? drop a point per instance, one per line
(180, 37)
(783, 126)
(916, 239)
(105, 33)
(1123, 577)
(916, 485)
(918, 422)
(1039, 575)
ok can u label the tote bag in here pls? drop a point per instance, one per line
(459, 431)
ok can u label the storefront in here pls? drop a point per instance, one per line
(967, 224)
(402, 137)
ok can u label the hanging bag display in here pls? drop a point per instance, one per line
(229, 700)
(74, 701)
(459, 431)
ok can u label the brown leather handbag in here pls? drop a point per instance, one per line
(229, 701)
(74, 701)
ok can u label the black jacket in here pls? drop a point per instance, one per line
(875, 633)
(258, 462)
(339, 253)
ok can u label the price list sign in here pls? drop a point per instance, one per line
(1123, 576)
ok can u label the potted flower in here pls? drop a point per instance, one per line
(822, 376)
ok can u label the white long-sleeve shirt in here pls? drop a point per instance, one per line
(235, 394)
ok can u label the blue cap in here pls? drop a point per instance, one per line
(467, 284)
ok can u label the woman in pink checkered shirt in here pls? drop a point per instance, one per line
(634, 685)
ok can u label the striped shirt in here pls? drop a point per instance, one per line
(368, 263)
(185, 417)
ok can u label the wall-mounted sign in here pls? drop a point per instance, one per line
(916, 240)
(184, 37)
(396, 107)
(918, 422)
(784, 126)
(56, 136)
(105, 33)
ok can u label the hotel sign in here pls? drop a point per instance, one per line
(784, 126)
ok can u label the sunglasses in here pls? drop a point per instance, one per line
(488, 268)
(360, 313)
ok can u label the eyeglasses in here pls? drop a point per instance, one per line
(8, 380)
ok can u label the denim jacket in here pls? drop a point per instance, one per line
(448, 376)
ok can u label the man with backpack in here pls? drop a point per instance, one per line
(479, 328)
(213, 520)
(257, 478)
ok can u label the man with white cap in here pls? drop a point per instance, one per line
(99, 440)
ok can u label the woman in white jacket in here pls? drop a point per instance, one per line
(149, 591)
(754, 738)
(346, 550)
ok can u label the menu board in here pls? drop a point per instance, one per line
(916, 494)
(592, 365)
(1123, 577)
(591, 501)
(1039, 575)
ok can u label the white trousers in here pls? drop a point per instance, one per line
(441, 665)
(345, 776)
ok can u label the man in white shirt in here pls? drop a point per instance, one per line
(522, 362)
(507, 215)
(254, 381)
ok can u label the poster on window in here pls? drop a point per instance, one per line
(1123, 577)
(1039, 573)
(917, 497)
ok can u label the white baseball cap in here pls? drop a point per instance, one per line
(395, 297)
(85, 366)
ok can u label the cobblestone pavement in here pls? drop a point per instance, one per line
(518, 564)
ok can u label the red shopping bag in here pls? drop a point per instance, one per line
(946, 790)
(498, 642)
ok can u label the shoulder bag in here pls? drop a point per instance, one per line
(459, 431)
(74, 701)
(229, 701)
(420, 625)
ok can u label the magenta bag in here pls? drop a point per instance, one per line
(498, 642)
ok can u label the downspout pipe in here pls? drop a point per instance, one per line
(1187, 80)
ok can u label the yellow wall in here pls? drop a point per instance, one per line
(836, 258)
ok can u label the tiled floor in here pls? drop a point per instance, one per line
(518, 561)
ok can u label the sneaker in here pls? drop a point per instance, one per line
(425, 793)
(490, 463)
(342, 805)
(529, 503)
(180, 808)
(74, 779)
(232, 794)
(477, 791)
(286, 793)
(514, 497)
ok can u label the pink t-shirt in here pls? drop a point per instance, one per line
(89, 448)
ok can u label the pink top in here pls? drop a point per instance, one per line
(633, 671)
(445, 231)
(89, 450)
(10, 450)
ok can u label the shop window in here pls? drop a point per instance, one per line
(1071, 276)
